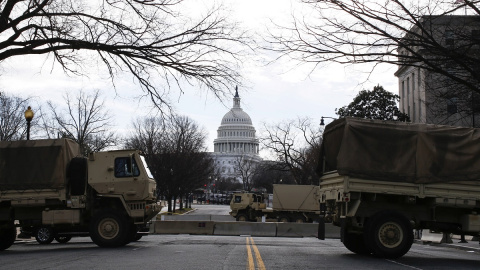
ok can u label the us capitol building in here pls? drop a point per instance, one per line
(236, 140)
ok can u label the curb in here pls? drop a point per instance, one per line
(191, 211)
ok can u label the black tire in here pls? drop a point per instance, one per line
(44, 235)
(138, 237)
(389, 235)
(355, 243)
(242, 217)
(63, 238)
(283, 219)
(299, 219)
(110, 229)
(132, 234)
(7, 237)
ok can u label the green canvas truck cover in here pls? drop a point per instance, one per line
(35, 164)
(398, 151)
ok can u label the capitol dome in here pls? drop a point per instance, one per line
(236, 115)
(236, 142)
(236, 133)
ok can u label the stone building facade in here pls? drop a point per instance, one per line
(236, 141)
(427, 96)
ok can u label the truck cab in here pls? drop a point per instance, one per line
(108, 195)
(242, 205)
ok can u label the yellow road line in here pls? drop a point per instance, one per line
(260, 264)
(250, 263)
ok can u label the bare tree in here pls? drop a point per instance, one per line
(392, 32)
(296, 145)
(147, 136)
(175, 152)
(12, 119)
(186, 147)
(85, 120)
(245, 168)
(148, 38)
(268, 174)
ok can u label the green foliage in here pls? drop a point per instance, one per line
(376, 104)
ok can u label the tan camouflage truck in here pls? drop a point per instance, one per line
(291, 203)
(382, 179)
(48, 189)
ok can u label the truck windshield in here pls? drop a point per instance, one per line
(150, 175)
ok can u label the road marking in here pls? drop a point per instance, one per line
(406, 265)
(250, 263)
(260, 263)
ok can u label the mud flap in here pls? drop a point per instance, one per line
(343, 227)
(321, 228)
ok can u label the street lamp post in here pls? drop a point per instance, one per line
(28, 116)
(322, 123)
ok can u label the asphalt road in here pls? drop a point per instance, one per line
(225, 252)
(210, 209)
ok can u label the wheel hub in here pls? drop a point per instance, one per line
(108, 228)
(43, 234)
(390, 235)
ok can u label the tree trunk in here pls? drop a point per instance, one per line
(169, 203)
(181, 201)
(174, 203)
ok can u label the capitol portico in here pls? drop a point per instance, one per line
(236, 139)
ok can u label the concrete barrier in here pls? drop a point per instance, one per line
(331, 231)
(222, 218)
(270, 229)
(467, 237)
(186, 217)
(197, 217)
(297, 229)
(184, 227)
(245, 228)
(428, 236)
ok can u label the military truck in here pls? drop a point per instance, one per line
(291, 203)
(381, 180)
(47, 188)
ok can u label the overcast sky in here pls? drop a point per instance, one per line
(275, 93)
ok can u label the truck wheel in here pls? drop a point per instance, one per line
(389, 235)
(109, 229)
(242, 217)
(63, 238)
(138, 237)
(44, 235)
(7, 237)
(355, 243)
(283, 219)
(300, 220)
(132, 234)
